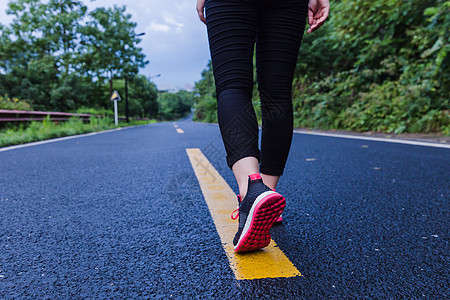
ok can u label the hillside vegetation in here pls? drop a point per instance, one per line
(377, 65)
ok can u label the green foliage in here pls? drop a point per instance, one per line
(14, 104)
(175, 105)
(108, 41)
(206, 110)
(398, 77)
(95, 111)
(142, 96)
(205, 97)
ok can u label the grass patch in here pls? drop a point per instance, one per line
(47, 129)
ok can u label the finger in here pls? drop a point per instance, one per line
(322, 19)
(310, 16)
(313, 26)
(323, 15)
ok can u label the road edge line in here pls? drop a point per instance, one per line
(375, 139)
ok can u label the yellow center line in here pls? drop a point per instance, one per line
(269, 262)
(179, 130)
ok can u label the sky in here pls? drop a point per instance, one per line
(175, 40)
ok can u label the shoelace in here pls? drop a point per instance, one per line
(237, 209)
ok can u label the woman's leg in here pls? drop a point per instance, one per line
(280, 30)
(231, 31)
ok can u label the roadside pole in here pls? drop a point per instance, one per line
(126, 99)
(116, 118)
(115, 97)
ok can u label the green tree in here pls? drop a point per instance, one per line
(174, 105)
(142, 97)
(143, 91)
(109, 42)
(43, 42)
(43, 29)
(205, 97)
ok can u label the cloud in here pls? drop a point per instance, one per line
(157, 27)
(170, 19)
(169, 24)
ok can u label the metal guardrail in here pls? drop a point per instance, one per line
(7, 115)
(26, 116)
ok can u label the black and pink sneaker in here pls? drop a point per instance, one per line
(258, 211)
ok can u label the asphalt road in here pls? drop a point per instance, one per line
(121, 215)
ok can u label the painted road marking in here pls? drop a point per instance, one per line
(269, 262)
(179, 130)
(62, 139)
(376, 139)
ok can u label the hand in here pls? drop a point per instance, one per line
(201, 10)
(317, 13)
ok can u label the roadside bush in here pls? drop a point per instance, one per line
(14, 104)
(206, 110)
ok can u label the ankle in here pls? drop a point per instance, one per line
(243, 185)
(270, 180)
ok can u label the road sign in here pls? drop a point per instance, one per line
(115, 96)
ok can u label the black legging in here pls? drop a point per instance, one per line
(277, 28)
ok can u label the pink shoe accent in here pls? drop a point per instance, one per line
(280, 218)
(234, 217)
(264, 215)
(255, 176)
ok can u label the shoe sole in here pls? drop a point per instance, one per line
(265, 211)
